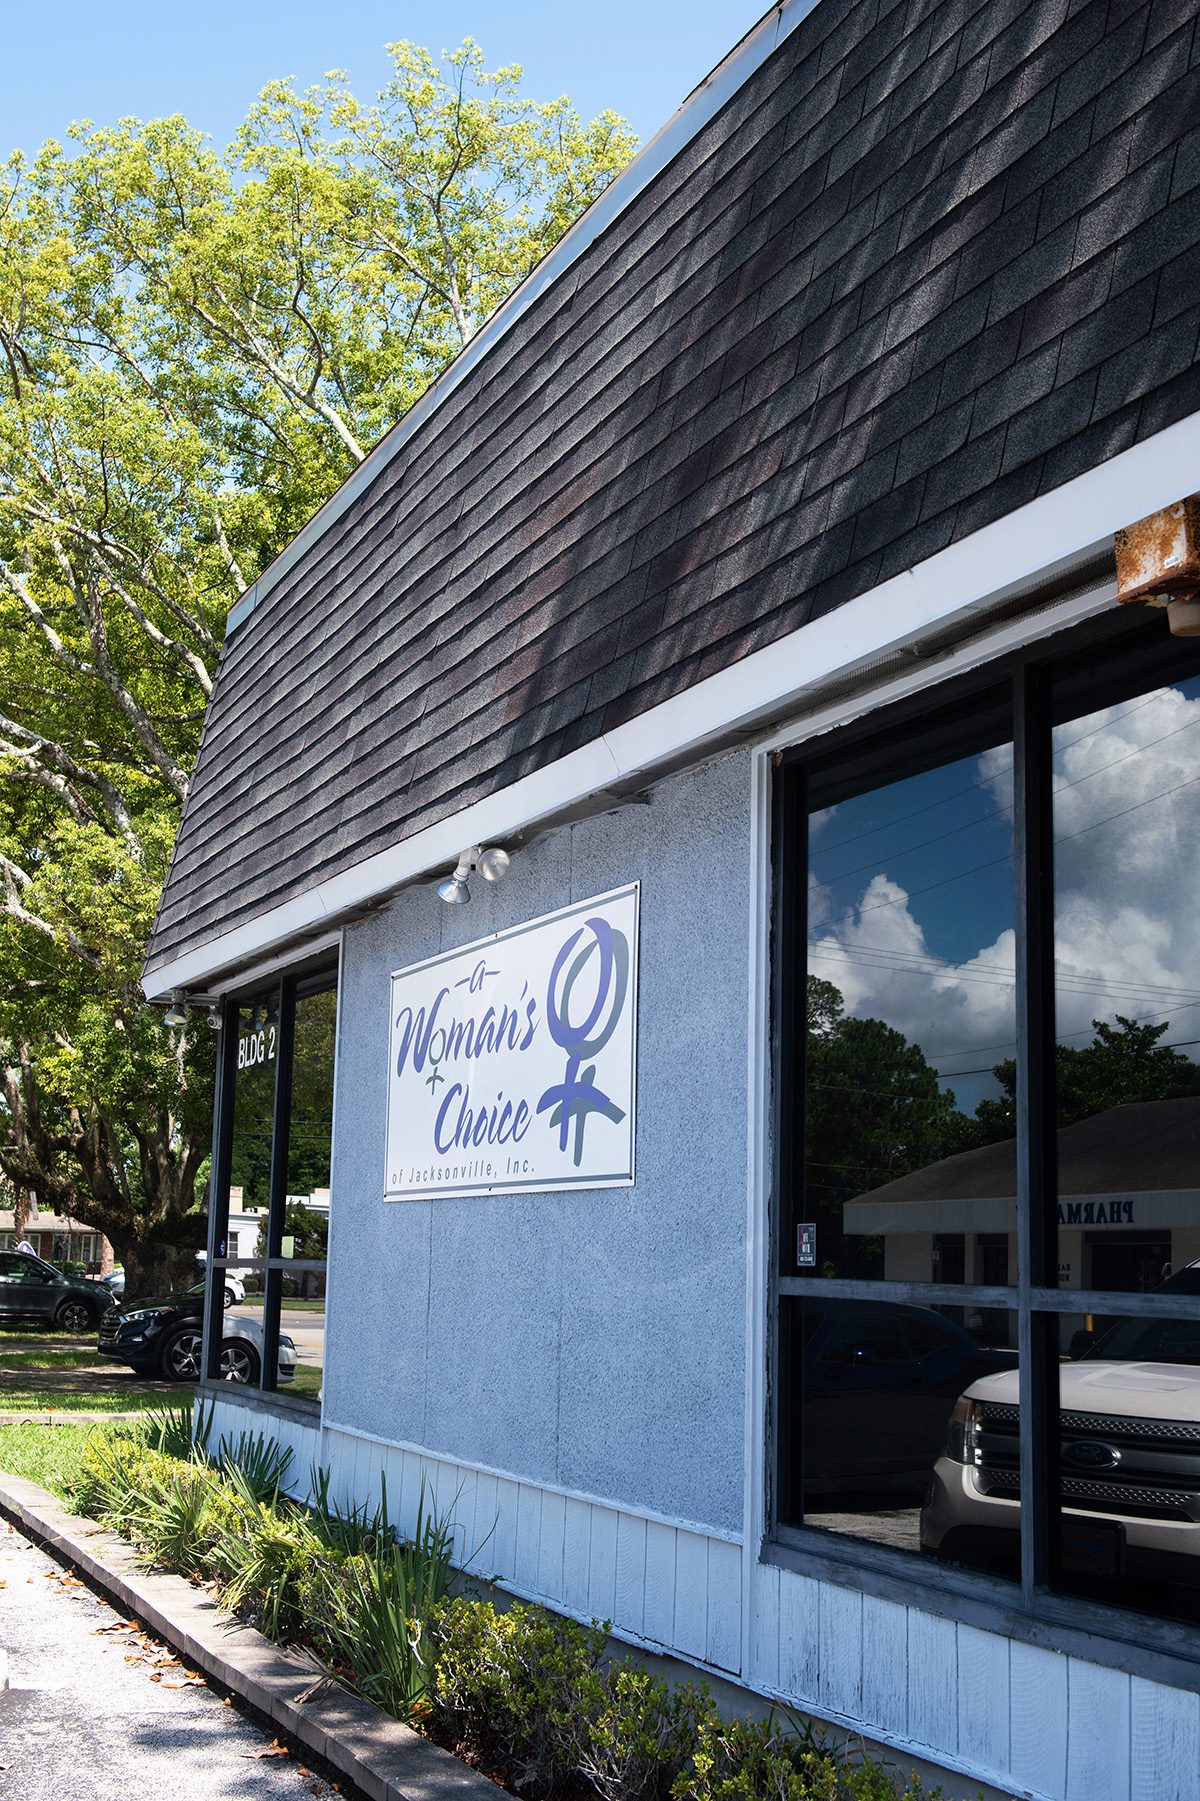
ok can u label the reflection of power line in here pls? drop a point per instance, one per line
(999, 813)
(983, 787)
(995, 862)
(914, 963)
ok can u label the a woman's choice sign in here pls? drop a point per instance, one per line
(513, 1060)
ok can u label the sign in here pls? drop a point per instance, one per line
(1113, 1212)
(513, 1060)
(806, 1246)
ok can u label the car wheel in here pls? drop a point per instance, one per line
(75, 1316)
(239, 1362)
(180, 1360)
(230, 1297)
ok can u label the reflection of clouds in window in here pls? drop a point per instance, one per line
(1126, 827)
(910, 913)
(877, 955)
(819, 901)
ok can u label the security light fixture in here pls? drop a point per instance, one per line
(488, 861)
(182, 1003)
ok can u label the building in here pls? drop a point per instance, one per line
(57, 1239)
(750, 584)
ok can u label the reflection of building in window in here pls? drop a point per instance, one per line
(58, 1239)
(1128, 1205)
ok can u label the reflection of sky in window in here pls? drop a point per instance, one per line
(1127, 819)
(911, 891)
(911, 905)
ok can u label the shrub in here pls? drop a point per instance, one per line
(762, 1760)
(257, 1461)
(348, 1530)
(373, 1611)
(518, 1690)
(643, 1737)
(263, 1555)
(181, 1431)
(525, 1693)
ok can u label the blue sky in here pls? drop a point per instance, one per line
(67, 60)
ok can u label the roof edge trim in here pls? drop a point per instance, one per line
(1048, 537)
(701, 106)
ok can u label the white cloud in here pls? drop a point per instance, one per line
(1127, 830)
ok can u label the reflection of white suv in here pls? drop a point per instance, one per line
(1130, 1462)
(235, 1288)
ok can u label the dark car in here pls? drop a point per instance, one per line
(33, 1290)
(879, 1385)
(163, 1337)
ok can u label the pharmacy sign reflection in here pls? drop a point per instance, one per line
(513, 1060)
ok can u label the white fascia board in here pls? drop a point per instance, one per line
(1046, 538)
(697, 111)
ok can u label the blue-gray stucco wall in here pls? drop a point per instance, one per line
(590, 1340)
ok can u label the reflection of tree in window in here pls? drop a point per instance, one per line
(874, 1111)
(311, 1134)
(254, 1102)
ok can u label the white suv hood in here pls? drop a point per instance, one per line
(1165, 1391)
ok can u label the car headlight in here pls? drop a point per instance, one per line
(962, 1434)
(286, 1344)
(142, 1314)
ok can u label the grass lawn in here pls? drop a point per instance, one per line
(100, 1400)
(48, 1455)
(290, 1304)
(308, 1381)
(49, 1360)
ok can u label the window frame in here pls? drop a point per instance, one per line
(1109, 651)
(298, 982)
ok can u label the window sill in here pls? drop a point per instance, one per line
(256, 1400)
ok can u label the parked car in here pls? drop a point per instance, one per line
(879, 1382)
(33, 1290)
(1129, 1437)
(235, 1288)
(163, 1338)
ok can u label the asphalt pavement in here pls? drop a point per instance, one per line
(306, 1330)
(97, 1710)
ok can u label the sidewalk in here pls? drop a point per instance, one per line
(97, 1711)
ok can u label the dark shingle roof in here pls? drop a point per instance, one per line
(929, 262)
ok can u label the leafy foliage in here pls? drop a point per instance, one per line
(524, 1693)
(376, 1609)
(195, 349)
(1124, 1063)
(517, 1687)
(767, 1760)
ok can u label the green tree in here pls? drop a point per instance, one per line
(873, 1111)
(1124, 1062)
(195, 349)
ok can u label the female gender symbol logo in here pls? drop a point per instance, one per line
(577, 1096)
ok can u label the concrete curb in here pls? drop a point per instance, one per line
(388, 1761)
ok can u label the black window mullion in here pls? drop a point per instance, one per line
(789, 1009)
(1036, 1143)
(277, 1204)
(218, 1186)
